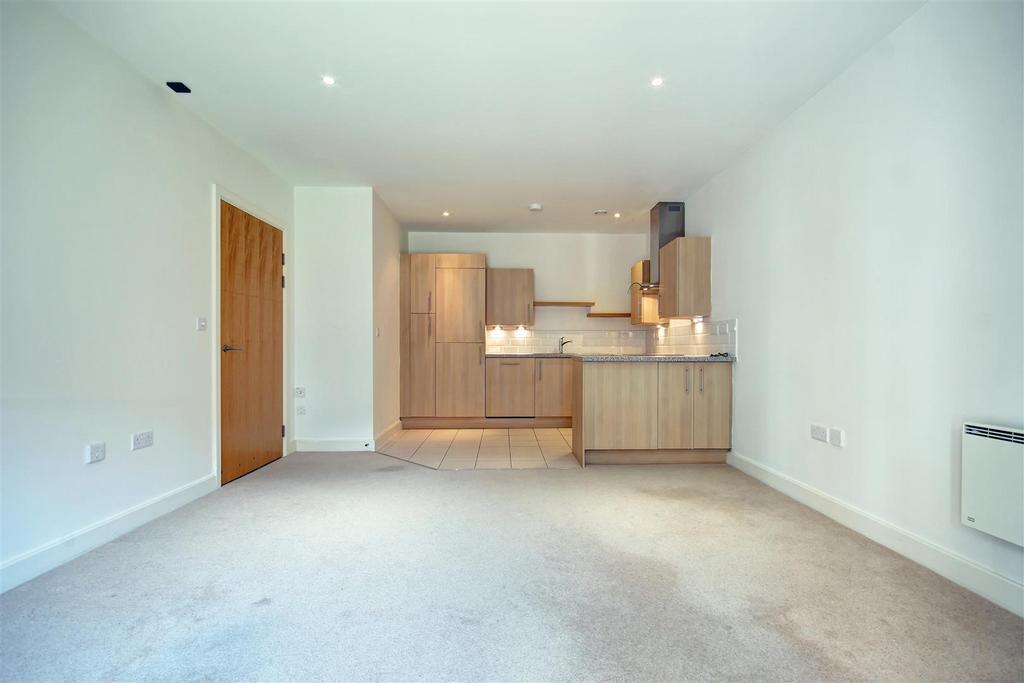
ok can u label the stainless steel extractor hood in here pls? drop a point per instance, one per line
(668, 221)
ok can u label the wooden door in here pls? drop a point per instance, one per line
(459, 380)
(421, 365)
(510, 387)
(554, 387)
(712, 405)
(421, 283)
(621, 400)
(460, 294)
(509, 296)
(675, 405)
(252, 364)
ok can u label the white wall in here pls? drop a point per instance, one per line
(567, 267)
(389, 240)
(108, 259)
(334, 317)
(871, 249)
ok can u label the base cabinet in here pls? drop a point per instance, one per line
(459, 379)
(621, 404)
(510, 387)
(695, 405)
(553, 387)
(712, 405)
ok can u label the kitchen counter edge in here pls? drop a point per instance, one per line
(618, 358)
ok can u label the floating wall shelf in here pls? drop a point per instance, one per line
(609, 315)
(565, 304)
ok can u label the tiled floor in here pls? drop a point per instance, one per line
(484, 449)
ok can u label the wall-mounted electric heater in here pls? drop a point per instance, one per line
(992, 481)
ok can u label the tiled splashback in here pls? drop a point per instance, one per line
(686, 338)
(583, 341)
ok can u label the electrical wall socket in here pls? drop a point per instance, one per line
(300, 392)
(819, 433)
(836, 437)
(95, 452)
(142, 440)
(300, 410)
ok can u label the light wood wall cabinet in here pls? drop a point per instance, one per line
(621, 403)
(461, 302)
(421, 365)
(685, 274)
(442, 307)
(509, 296)
(459, 380)
(553, 387)
(643, 308)
(421, 283)
(510, 387)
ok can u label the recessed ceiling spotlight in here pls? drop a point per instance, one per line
(327, 79)
(445, 214)
(657, 81)
(601, 212)
(617, 215)
(536, 207)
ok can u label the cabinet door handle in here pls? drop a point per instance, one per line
(510, 363)
(687, 381)
(483, 330)
(430, 301)
(540, 370)
(481, 355)
(430, 328)
(529, 313)
(702, 380)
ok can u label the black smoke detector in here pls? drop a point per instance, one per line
(178, 87)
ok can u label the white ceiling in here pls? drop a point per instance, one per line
(482, 108)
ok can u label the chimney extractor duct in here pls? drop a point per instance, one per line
(668, 221)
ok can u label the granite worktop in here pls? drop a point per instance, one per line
(621, 357)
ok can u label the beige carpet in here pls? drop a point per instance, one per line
(364, 567)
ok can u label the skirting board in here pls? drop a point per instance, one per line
(32, 563)
(388, 433)
(960, 570)
(485, 422)
(333, 445)
(661, 456)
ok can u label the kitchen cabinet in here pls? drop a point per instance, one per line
(553, 387)
(421, 283)
(459, 379)
(460, 304)
(685, 274)
(621, 403)
(460, 261)
(712, 405)
(643, 308)
(510, 387)
(675, 405)
(509, 296)
(421, 365)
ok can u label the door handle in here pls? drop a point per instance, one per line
(687, 382)
(430, 301)
(227, 348)
(702, 380)
(430, 328)
(540, 370)
(481, 355)
(510, 364)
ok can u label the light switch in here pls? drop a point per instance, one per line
(836, 437)
(200, 324)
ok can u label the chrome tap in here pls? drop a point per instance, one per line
(562, 341)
